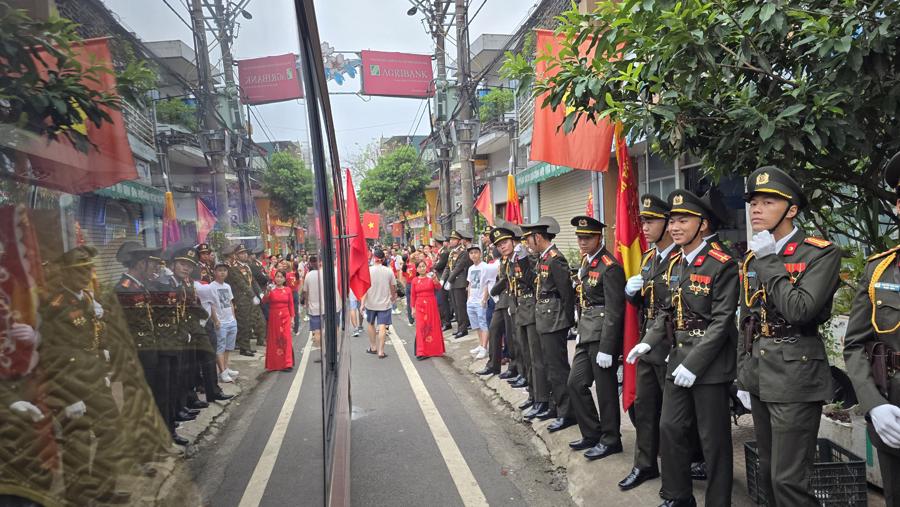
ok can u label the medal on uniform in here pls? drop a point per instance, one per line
(794, 269)
(700, 284)
(593, 278)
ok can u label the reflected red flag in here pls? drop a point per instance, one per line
(171, 234)
(485, 205)
(358, 260)
(513, 210)
(589, 207)
(370, 225)
(205, 221)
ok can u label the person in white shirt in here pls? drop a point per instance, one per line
(488, 279)
(221, 312)
(475, 303)
(378, 301)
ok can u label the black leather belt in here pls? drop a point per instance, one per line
(526, 295)
(773, 330)
(549, 295)
(691, 325)
(588, 307)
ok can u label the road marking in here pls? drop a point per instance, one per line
(465, 482)
(257, 486)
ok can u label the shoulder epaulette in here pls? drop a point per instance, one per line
(883, 254)
(716, 245)
(719, 256)
(607, 260)
(553, 253)
(817, 242)
(675, 253)
(645, 252)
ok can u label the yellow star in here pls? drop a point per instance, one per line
(371, 225)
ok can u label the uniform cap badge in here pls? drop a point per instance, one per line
(678, 200)
(762, 178)
(647, 202)
(582, 223)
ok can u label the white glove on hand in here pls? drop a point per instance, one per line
(446, 285)
(683, 377)
(256, 300)
(22, 333)
(76, 410)
(633, 285)
(604, 360)
(98, 310)
(27, 409)
(639, 350)
(744, 396)
(520, 251)
(886, 421)
(762, 244)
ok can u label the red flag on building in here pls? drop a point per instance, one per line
(358, 259)
(371, 223)
(589, 207)
(171, 234)
(587, 145)
(485, 205)
(630, 244)
(513, 211)
(205, 221)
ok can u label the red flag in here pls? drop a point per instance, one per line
(485, 205)
(358, 259)
(589, 207)
(630, 243)
(171, 234)
(371, 223)
(587, 145)
(397, 229)
(513, 211)
(205, 221)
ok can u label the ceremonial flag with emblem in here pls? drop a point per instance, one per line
(358, 260)
(205, 221)
(513, 210)
(171, 234)
(587, 145)
(630, 243)
(485, 205)
(371, 225)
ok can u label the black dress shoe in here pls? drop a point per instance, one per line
(184, 416)
(582, 444)
(683, 502)
(446, 327)
(247, 352)
(179, 440)
(537, 408)
(698, 471)
(527, 403)
(560, 424)
(548, 413)
(636, 478)
(191, 411)
(520, 383)
(486, 371)
(220, 396)
(198, 404)
(458, 335)
(515, 378)
(507, 374)
(601, 451)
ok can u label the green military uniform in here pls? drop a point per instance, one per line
(523, 284)
(554, 315)
(785, 296)
(650, 371)
(501, 325)
(207, 272)
(444, 306)
(703, 292)
(601, 299)
(258, 270)
(872, 346)
(245, 310)
(455, 274)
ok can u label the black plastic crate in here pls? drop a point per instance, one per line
(838, 476)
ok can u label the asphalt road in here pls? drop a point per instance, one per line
(418, 433)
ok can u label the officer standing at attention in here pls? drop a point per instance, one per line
(443, 296)
(245, 298)
(554, 315)
(703, 288)
(872, 352)
(455, 280)
(242, 255)
(648, 291)
(789, 281)
(206, 263)
(601, 298)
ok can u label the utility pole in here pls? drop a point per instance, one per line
(463, 121)
(213, 132)
(441, 91)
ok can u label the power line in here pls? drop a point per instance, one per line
(177, 14)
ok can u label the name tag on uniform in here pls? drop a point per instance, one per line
(674, 278)
(751, 274)
(646, 268)
(888, 286)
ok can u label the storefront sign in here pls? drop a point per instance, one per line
(134, 192)
(396, 74)
(269, 79)
(539, 172)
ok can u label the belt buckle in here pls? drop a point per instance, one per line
(697, 332)
(765, 329)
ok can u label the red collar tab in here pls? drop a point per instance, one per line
(699, 260)
(790, 249)
(594, 262)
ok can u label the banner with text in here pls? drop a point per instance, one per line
(269, 79)
(396, 74)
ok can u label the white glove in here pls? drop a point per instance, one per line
(604, 360)
(22, 333)
(255, 300)
(106, 355)
(633, 285)
(446, 285)
(76, 410)
(744, 396)
(762, 244)
(886, 421)
(27, 409)
(98, 310)
(107, 381)
(637, 351)
(520, 251)
(683, 377)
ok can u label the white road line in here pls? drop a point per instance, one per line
(260, 478)
(465, 482)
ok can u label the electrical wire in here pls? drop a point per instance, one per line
(177, 14)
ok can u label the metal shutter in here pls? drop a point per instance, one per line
(562, 198)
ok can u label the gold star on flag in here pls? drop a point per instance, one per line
(371, 225)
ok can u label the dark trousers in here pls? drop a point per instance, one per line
(495, 340)
(88, 474)
(209, 377)
(538, 385)
(556, 357)
(707, 405)
(444, 307)
(167, 371)
(889, 461)
(650, 379)
(523, 351)
(786, 442)
(585, 371)
(409, 308)
(459, 306)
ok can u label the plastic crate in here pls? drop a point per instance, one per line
(838, 476)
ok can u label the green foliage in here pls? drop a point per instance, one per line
(810, 86)
(288, 183)
(520, 65)
(495, 103)
(177, 112)
(396, 183)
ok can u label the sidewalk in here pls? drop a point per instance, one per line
(595, 483)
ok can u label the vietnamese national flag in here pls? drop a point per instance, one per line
(589, 207)
(485, 205)
(371, 223)
(630, 244)
(171, 234)
(358, 260)
(513, 211)
(205, 221)
(587, 145)
(397, 229)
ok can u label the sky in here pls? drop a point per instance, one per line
(347, 25)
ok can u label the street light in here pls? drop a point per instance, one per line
(412, 11)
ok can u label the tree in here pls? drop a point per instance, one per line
(364, 160)
(177, 112)
(495, 103)
(396, 183)
(288, 183)
(810, 86)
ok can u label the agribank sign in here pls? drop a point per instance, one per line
(396, 74)
(269, 79)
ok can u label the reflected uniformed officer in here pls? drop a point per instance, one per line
(720, 218)
(788, 284)
(601, 299)
(257, 268)
(554, 315)
(246, 300)
(872, 352)
(455, 279)
(443, 257)
(206, 263)
(698, 330)
(258, 322)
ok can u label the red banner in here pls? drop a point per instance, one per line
(485, 205)
(513, 210)
(371, 223)
(397, 229)
(396, 74)
(269, 79)
(205, 221)
(359, 279)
